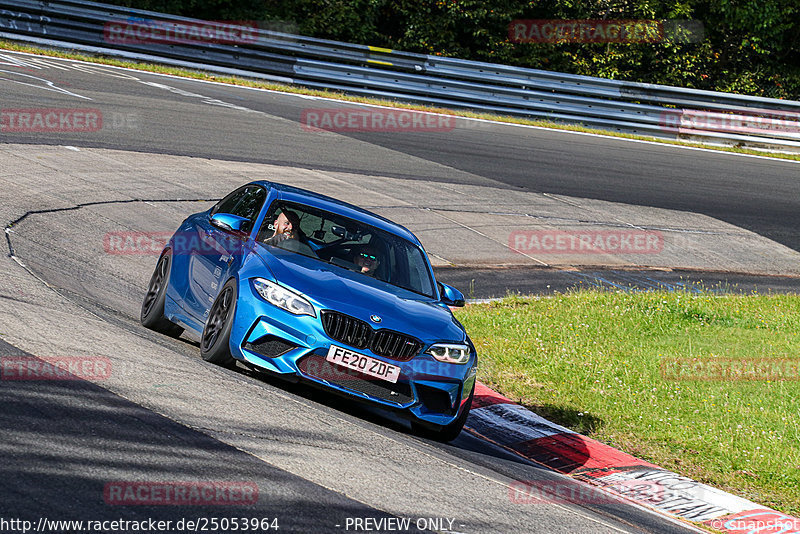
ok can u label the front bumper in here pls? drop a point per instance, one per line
(296, 346)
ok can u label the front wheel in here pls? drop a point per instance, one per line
(215, 343)
(445, 433)
(152, 313)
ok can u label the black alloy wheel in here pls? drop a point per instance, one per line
(152, 314)
(217, 332)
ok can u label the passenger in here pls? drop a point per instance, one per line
(368, 260)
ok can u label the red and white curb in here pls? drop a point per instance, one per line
(509, 425)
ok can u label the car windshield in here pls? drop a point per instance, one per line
(347, 243)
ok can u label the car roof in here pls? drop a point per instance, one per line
(298, 195)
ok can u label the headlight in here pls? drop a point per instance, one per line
(450, 352)
(283, 298)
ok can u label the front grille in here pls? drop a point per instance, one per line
(349, 330)
(394, 345)
(318, 367)
(270, 346)
(359, 334)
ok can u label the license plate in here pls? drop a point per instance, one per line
(364, 364)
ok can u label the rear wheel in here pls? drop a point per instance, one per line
(214, 346)
(152, 313)
(445, 433)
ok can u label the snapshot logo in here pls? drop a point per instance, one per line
(586, 242)
(542, 491)
(756, 521)
(55, 368)
(751, 122)
(151, 31)
(180, 493)
(42, 120)
(374, 120)
(553, 31)
(718, 369)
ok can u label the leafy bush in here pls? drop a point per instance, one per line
(749, 46)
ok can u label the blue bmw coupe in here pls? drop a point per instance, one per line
(310, 288)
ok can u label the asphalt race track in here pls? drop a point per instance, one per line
(167, 147)
(184, 117)
(161, 115)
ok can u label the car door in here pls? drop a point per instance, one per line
(219, 252)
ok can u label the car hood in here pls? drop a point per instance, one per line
(332, 287)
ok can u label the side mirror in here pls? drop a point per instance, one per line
(230, 223)
(450, 295)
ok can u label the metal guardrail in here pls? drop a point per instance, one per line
(657, 110)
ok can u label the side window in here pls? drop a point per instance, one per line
(249, 205)
(308, 222)
(229, 202)
(245, 202)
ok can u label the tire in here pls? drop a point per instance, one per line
(152, 313)
(214, 345)
(445, 433)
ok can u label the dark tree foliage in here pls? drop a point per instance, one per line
(748, 46)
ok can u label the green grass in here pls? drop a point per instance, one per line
(233, 80)
(591, 361)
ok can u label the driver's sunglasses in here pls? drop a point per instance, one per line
(368, 256)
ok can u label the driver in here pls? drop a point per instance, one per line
(287, 226)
